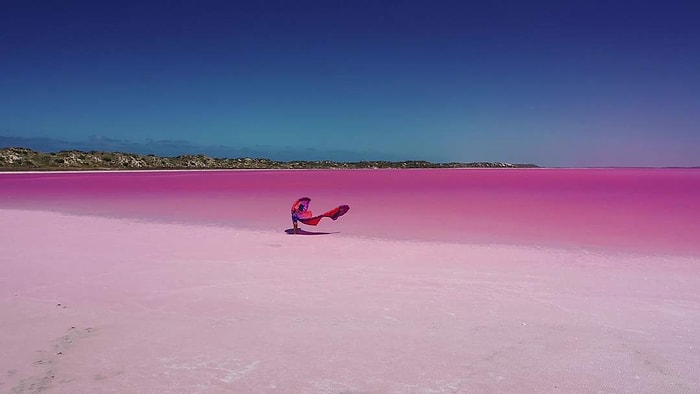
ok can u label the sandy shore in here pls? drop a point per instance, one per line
(92, 304)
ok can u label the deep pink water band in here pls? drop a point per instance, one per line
(646, 210)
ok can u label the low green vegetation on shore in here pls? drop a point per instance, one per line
(17, 159)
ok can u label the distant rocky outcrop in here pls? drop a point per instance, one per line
(26, 159)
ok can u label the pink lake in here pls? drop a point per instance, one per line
(436, 281)
(645, 210)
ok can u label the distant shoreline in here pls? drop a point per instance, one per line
(12, 171)
(18, 159)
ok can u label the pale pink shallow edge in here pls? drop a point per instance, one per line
(91, 304)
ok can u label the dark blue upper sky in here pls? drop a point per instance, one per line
(559, 83)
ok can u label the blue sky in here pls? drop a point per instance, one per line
(556, 83)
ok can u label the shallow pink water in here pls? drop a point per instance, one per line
(647, 210)
(92, 304)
